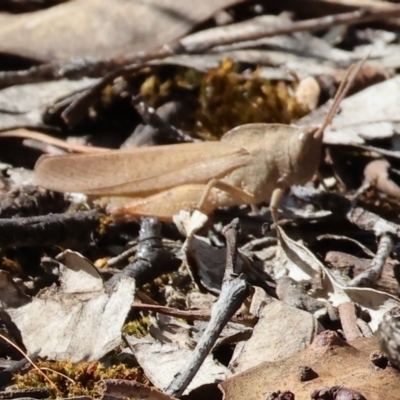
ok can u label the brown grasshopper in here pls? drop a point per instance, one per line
(250, 164)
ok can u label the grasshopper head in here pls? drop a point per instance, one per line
(305, 144)
(304, 155)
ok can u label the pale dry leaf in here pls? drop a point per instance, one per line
(102, 29)
(280, 332)
(24, 105)
(367, 115)
(351, 4)
(365, 249)
(231, 334)
(332, 361)
(189, 222)
(259, 300)
(20, 177)
(79, 321)
(302, 265)
(166, 329)
(200, 301)
(77, 274)
(161, 362)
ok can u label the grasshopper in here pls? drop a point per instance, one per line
(250, 164)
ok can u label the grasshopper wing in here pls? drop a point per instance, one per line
(139, 172)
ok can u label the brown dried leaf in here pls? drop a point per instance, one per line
(333, 362)
(121, 388)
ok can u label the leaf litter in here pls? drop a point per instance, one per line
(200, 73)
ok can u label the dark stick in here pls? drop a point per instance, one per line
(190, 315)
(152, 259)
(51, 229)
(151, 118)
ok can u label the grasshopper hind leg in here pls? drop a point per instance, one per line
(203, 197)
(165, 204)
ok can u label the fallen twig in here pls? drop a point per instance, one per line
(207, 39)
(371, 275)
(152, 118)
(51, 229)
(190, 315)
(152, 259)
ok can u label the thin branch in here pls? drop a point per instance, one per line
(189, 315)
(151, 118)
(51, 229)
(369, 277)
(205, 40)
(152, 259)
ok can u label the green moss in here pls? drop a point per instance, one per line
(75, 379)
(228, 99)
(137, 328)
(153, 89)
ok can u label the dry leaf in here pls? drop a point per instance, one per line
(98, 28)
(120, 388)
(325, 357)
(280, 332)
(302, 265)
(161, 362)
(366, 115)
(24, 105)
(78, 321)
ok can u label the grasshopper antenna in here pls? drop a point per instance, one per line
(344, 87)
